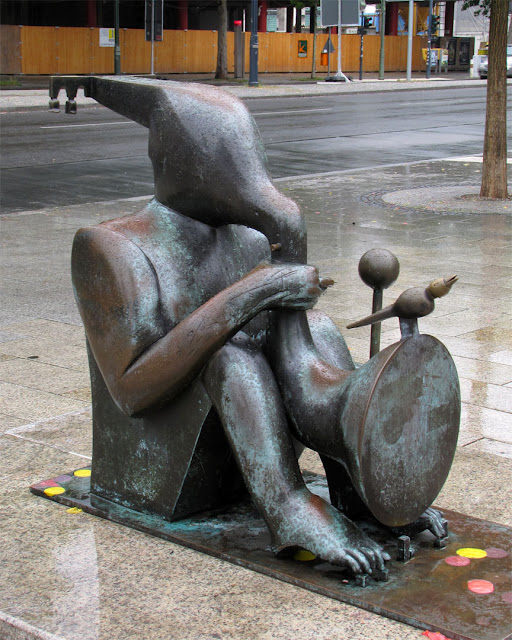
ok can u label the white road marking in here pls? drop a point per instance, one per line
(478, 159)
(285, 113)
(90, 124)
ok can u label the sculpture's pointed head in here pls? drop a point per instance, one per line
(441, 286)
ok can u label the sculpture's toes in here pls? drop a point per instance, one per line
(333, 538)
(435, 522)
(365, 558)
(431, 520)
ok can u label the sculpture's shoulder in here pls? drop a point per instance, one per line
(105, 261)
(113, 239)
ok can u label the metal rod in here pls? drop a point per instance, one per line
(253, 49)
(382, 27)
(117, 48)
(329, 55)
(152, 37)
(361, 47)
(338, 73)
(429, 45)
(409, 39)
(375, 333)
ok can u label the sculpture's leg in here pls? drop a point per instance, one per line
(244, 393)
(330, 343)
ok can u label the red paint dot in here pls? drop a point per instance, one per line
(480, 586)
(457, 561)
(507, 596)
(492, 552)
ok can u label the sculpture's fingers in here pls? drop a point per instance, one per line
(436, 523)
(374, 557)
(347, 560)
(362, 560)
(325, 283)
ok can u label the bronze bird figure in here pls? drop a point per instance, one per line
(412, 303)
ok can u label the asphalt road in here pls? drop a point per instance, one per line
(57, 159)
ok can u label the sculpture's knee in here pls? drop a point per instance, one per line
(235, 361)
(241, 384)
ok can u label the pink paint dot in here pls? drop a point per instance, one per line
(481, 587)
(457, 561)
(492, 552)
(507, 596)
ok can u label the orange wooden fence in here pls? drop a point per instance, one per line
(76, 50)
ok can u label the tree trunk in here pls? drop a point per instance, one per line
(221, 72)
(298, 20)
(494, 171)
(289, 20)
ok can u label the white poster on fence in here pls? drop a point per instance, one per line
(107, 37)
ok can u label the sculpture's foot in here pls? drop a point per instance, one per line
(432, 520)
(308, 522)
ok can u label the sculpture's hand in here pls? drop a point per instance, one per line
(298, 286)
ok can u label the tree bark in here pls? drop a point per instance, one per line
(289, 20)
(221, 72)
(494, 170)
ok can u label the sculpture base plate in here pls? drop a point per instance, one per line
(425, 592)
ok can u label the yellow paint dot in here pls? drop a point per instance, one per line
(74, 510)
(83, 473)
(304, 556)
(471, 553)
(54, 491)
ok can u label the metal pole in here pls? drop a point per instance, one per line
(361, 48)
(152, 37)
(376, 328)
(253, 48)
(329, 55)
(340, 76)
(429, 45)
(382, 27)
(338, 73)
(409, 39)
(117, 48)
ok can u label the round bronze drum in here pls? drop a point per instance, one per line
(400, 426)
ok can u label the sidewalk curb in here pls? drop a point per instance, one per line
(265, 91)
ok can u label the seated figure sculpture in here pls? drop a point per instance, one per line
(209, 370)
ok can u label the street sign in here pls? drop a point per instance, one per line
(328, 48)
(154, 20)
(303, 49)
(349, 13)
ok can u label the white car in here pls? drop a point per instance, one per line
(482, 69)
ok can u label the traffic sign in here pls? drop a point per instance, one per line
(349, 13)
(154, 20)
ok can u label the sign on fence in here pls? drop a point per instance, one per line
(107, 37)
(303, 49)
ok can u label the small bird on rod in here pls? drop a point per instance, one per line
(412, 303)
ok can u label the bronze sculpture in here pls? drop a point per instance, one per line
(208, 367)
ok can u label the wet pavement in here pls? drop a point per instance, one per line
(73, 576)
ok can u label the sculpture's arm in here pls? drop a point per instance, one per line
(145, 364)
